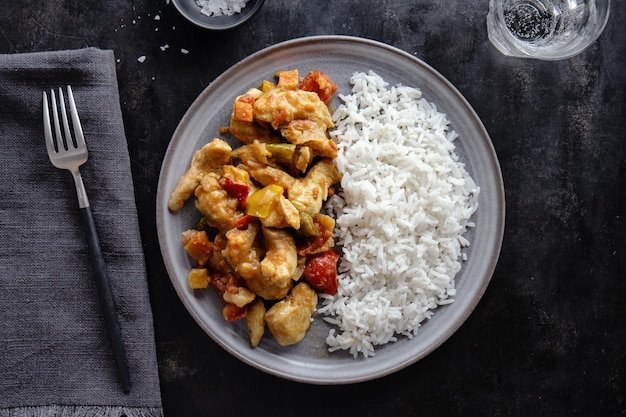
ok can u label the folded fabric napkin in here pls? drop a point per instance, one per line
(55, 355)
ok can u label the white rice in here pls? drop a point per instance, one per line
(405, 203)
(221, 7)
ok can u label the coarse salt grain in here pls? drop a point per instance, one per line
(221, 7)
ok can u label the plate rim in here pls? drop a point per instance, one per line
(162, 196)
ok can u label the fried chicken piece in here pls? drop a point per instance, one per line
(253, 155)
(289, 319)
(267, 175)
(311, 133)
(218, 207)
(255, 159)
(281, 258)
(302, 158)
(306, 194)
(267, 290)
(283, 214)
(207, 159)
(248, 132)
(256, 322)
(243, 251)
(239, 296)
(278, 107)
(217, 261)
(309, 193)
(278, 268)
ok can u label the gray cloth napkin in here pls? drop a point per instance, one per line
(55, 356)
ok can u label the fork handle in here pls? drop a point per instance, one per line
(106, 296)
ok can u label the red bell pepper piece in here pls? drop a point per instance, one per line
(235, 189)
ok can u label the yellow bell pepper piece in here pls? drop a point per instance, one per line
(199, 278)
(261, 202)
(267, 86)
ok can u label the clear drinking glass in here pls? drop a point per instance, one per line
(545, 29)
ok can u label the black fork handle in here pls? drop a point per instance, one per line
(107, 303)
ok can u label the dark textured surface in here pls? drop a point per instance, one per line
(548, 337)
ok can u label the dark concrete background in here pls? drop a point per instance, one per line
(548, 337)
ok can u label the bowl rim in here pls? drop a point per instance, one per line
(217, 23)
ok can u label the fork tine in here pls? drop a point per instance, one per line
(57, 128)
(66, 127)
(47, 128)
(78, 129)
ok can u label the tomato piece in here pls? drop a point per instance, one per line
(321, 271)
(233, 313)
(246, 98)
(318, 82)
(244, 222)
(236, 190)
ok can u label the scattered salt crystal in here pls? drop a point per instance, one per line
(157, 17)
(141, 58)
(184, 51)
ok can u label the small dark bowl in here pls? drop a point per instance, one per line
(192, 12)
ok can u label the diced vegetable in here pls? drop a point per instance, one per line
(321, 271)
(197, 245)
(233, 313)
(198, 278)
(243, 108)
(244, 222)
(319, 83)
(288, 79)
(267, 86)
(260, 202)
(283, 152)
(307, 226)
(236, 189)
(316, 242)
(243, 112)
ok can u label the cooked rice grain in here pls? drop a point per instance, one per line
(404, 205)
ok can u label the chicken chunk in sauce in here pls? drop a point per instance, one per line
(289, 319)
(211, 157)
(261, 205)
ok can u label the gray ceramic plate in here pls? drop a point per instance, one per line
(339, 57)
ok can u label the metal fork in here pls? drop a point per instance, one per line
(67, 151)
